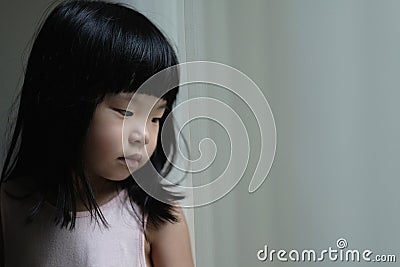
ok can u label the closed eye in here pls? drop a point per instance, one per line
(123, 112)
(155, 120)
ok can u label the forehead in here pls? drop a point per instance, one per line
(140, 100)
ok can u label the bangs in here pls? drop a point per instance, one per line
(107, 49)
(122, 51)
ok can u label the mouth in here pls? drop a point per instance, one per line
(131, 161)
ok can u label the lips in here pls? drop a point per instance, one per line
(131, 160)
(137, 157)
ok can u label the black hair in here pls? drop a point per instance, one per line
(83, 51)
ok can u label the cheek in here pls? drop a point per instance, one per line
(151, 146)
(104, 139)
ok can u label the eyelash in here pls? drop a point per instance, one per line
(124, 113)
(127, 113)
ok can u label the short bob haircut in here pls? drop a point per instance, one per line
(83, 51)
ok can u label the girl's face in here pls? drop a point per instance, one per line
(122, 138)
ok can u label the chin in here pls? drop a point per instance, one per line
(117, 178)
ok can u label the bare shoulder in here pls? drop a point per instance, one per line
(170, 243)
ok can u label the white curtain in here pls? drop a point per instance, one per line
(330, 72)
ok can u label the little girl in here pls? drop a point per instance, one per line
(69, 190)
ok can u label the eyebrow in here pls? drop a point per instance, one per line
(128, 97)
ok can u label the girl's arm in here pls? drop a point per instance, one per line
(170, 244)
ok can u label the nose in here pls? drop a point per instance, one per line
(138, 134)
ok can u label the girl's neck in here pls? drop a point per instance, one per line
(103, 191)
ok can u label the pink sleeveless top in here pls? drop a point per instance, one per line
(43, 244)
